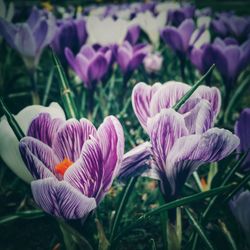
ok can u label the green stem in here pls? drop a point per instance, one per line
(235, 97)
(224, 182)
(66, 93)
(48, 87)
(174, 204)
(12, 121)
(198, 229)
(178, 105)
(122, 204)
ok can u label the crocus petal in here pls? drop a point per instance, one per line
(212, 94)
(60, 199)
(9, 145)
(97, 68)
(136, 60)
(189, 152)
(167, 96)
(111, 139)
(164, 129)
(200, 118)
(123, 58)
(44, 128)
(141, 98)
(8, 31)
(70, 138)
(87, 51)
(25, 42)
(240, 208)
(40, 34)
(136, 161)
(86, 174)
(242, 130)
(172, 37)
(186, 30)
(38, 157)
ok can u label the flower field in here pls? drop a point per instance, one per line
(124, 126)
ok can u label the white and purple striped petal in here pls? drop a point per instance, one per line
(70, 138)
(60, 199)
(111, 139)
(38, 157)
(164, 129)
(86, 174)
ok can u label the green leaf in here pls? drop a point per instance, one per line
(199, 229)
(12, 121)
(178, 105)
(177, 203)
(29, 214)
(122, 204)
(66, 93)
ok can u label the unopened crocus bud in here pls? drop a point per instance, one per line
(153, 62)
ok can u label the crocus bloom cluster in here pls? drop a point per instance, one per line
(231, 25)
(9, 151)
(180, 141)
(74, 163)
(130, 57)
(31, 37)
(230, 58)
(70, 33)
(242, 130)
(89, 64)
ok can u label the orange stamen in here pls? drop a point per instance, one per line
(203, 183)
(61, 167)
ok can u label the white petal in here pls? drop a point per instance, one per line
(9, 150)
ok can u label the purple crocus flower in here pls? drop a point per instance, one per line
(230, 59)
(180, 141)
(74, 163)
(89, 64)
(178, 149)
(180, 39)
(240, 208)
(70, 33)
(133, 34)
(148, 100)
(31, 37)
(130, 57)
(242, 130)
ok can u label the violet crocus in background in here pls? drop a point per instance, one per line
(9, 144)
(74, 163)
(89, 64)
(239, 206)
(133, 34)
(31, 37)
(70, 33)
(183, 38)
(130, 57)
(241, 129)
(230, 59)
